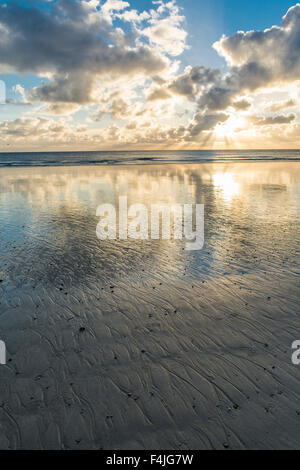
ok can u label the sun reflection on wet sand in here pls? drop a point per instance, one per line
(228, 185)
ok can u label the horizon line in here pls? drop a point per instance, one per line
(155, 150)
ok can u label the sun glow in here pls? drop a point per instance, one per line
(229, 127)
(227, 184)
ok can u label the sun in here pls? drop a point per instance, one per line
(229, 127)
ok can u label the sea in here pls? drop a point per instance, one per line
(21, 159)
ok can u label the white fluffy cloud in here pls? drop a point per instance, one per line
(166, 30)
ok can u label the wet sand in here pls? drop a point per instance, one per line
(141, 344)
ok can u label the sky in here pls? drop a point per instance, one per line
(146, 75)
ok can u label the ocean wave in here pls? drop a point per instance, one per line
(26, 159)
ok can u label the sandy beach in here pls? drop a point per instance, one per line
(141, 344)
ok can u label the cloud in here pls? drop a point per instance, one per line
(166, 29)
(274, 50)
(216, 98)
(41, 133)
(256, 60)
(74, 88)
(72, 43)
(281, 105)
(159, 94)
(108, 59)
(31, 127)
(111, 6)
(62, 108)
(273, 120)
(193, 80)
(204, 122)
(241, 105)
(264, 58)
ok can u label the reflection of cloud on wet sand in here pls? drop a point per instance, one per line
(154, 180)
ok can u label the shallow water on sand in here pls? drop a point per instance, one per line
(142, 344)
